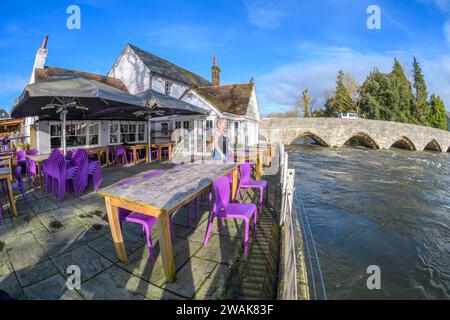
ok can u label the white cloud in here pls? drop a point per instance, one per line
(282, 86)
(264, 14)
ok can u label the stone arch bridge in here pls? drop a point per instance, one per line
(335, 132)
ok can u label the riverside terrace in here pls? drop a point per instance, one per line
(38, 245)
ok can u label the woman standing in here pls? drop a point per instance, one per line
(221, 147)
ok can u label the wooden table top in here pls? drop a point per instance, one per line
(38, 157)
(161, 144)
(96, 148)
(131, 146)
(167, 190)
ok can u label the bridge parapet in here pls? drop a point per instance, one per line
(334, 132)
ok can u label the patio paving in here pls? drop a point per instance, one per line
(37, 247)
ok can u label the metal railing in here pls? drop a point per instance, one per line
(298, 249)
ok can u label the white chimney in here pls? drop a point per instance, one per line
(41, 56)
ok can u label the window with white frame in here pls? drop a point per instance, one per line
(168, 88)
(77, 134)
(126, 132)
(209, 124)
(164, 129)
(177, 124)
(186, 125)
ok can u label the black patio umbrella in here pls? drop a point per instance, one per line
(73, 97)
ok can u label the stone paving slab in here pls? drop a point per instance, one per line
(115, 283)
(190, 277)
(24, 251)
(53, 288)
(222, 250)
(36, 273)
(214, 288)
(89, 261)
(10, 285)
(5, 268)
(57, 243)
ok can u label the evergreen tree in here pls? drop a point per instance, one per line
(375, 96)
(341, 101)
(420, 108)
(402, 95)
(437, 117)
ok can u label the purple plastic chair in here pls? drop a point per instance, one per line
(112, 154)
(121, 154)
(1, 212)
(223, 209)
(18, 185)
(59, 175)
(80, 160)
(95, 171)
(146, 221)
(30, 167)
(154, 154)
(21, 159)
(245, 182)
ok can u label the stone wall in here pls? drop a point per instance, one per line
(335, 132)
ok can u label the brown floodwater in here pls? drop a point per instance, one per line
(375, 207)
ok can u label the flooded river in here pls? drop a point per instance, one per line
(374, 207)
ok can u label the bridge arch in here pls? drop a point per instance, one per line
(312, 136)
(433, 145)
(363, 139)
(404, 143)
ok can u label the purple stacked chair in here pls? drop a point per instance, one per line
(223, 209)
(95, 171)
(245, 182)
(58, 174)
(80, 160)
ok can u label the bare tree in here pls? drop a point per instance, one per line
(304, 103)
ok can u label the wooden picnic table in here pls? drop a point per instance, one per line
(5, 174)
(135, 148)
(159, 146)
(160, 196)
(99, 151)
(38, 160)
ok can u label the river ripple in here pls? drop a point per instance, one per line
(374, 207)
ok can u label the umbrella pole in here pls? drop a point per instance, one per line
(63, 130)
(150, 139)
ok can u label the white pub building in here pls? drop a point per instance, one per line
(145, 75)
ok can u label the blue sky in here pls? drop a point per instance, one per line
(286, 45)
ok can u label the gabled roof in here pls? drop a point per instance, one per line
(167, 102)
(165, 68)
(41, 74)
(233, 98)
(4, 114)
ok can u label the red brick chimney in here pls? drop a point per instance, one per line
(215, 73)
